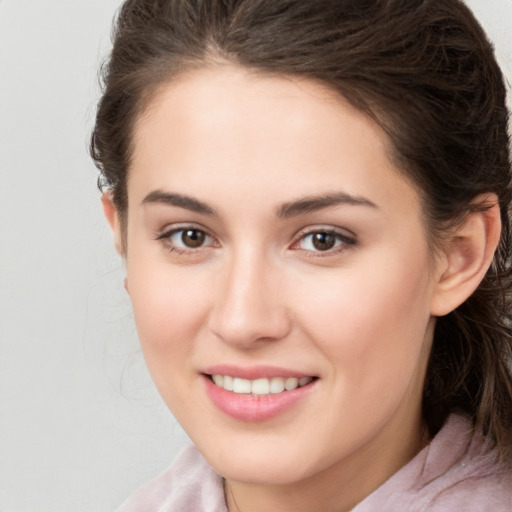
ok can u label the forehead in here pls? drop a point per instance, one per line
(224, 131)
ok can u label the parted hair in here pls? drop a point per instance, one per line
(423, 70)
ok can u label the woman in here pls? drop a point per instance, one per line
(313, 202)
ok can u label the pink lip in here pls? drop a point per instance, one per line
(254, 408)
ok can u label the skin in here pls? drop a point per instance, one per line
(359, 316)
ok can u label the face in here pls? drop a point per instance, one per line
(280, 276)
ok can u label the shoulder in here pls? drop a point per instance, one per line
(457, 471)
(188, 485)
(476, 481)
(465, 472)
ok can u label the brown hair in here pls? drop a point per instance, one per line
(424, 70)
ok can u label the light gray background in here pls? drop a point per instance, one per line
(80, 424)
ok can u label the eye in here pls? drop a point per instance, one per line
(189, 238)
(323, 241)
(186, 239)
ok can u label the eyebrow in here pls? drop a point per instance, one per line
(291, 209)
(315, 203)
(188, 203)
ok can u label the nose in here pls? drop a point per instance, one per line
(250, 308)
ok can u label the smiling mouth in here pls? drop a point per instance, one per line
(260, 387)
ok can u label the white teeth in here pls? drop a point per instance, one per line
(259, 386)
(276, 385)
(227, 382)
(241, 385)
(291, 383)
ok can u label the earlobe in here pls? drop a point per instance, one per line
(110, 212)
(466, 257)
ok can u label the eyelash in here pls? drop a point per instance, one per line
(166, 239)
(342, 240)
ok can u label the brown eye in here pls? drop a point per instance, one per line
(193, 238)
(323, 241)
(186, 238)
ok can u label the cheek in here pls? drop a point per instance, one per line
(169, 311)
(370, 322)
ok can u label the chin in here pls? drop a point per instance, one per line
(267, 472)
(260, 466)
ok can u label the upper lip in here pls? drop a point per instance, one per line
(254, 372)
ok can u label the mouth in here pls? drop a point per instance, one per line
(261, 386)
(257, 393)
(258, 398)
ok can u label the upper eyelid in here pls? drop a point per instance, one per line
(170, 229)
(343, 232)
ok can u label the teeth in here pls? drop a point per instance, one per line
(304, 380)
(291, 383)
(259, 386)
(276, 385)
(241, 385)
(227, 382)
(219, 380)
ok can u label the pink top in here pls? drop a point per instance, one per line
(456, 471)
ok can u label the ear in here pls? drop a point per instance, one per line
(466, 256)
(110, 212)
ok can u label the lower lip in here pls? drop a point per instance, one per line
(246, 407)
